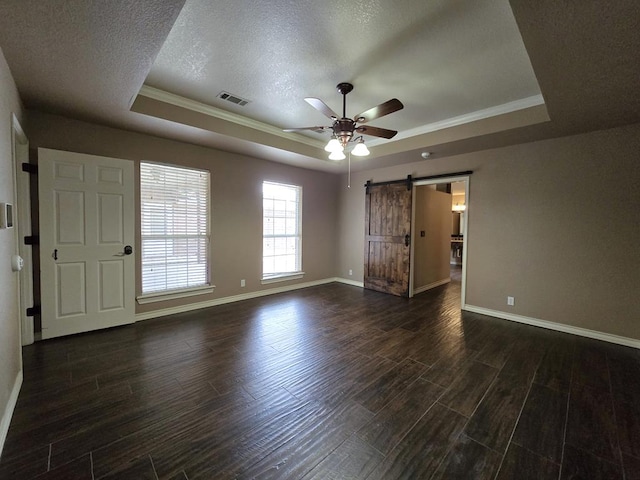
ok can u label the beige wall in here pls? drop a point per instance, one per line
(10, 356)
(553, 223)
(431, 252)
(236, 190)
(459, 199)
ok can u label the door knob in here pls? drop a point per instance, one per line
(127, 251)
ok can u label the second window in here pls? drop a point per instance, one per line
(282, 230)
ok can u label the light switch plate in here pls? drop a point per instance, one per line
(6, 215)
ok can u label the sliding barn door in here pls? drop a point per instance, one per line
(387, 237)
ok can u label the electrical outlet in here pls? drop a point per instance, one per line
(243, 283)
(511, 301)
(350, 272)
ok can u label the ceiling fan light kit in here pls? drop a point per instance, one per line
(344, 128)
(360, 150)
(334, 146)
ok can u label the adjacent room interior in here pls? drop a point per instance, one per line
(213, 266)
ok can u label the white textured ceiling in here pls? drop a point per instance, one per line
(441, 58)
(471, 73)
(79, 57)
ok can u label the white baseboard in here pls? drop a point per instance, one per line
(560, 327)
(346, 281)
(234, 298)
(431, 285)
(8, 411)
(583, 332)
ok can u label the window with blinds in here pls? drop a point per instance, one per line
(174, 210)
(282, 232)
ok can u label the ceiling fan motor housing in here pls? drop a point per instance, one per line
(343, 130)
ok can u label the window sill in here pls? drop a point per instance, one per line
(173, 294)
(282, 278)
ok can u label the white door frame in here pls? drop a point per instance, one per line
(22, 201)
(465, 232)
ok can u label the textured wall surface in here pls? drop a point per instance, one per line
(552, 223)
(236, 200)
(10, 356)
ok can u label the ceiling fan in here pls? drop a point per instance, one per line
(344, 128)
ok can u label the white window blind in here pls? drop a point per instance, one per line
(174, 206)
(282, 230)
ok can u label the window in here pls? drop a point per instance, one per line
(174, 208)
(282, 232)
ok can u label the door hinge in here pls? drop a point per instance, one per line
(32, 240)
(30, 168)
(33, 311)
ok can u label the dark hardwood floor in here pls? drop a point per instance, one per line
(330, 382)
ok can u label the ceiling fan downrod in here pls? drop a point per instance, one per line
(343, 128)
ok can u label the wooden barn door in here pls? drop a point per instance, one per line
(387, 238)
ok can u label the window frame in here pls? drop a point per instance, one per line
(180, 291)
(297, 273)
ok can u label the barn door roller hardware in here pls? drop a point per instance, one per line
(409, 180)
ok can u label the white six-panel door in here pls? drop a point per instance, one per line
(86, 206)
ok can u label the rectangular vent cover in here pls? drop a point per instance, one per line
(233, 98)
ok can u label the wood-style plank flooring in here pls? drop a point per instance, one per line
(330, 382)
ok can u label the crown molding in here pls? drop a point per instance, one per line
(205, 109)
(195, 106)
(490, 112)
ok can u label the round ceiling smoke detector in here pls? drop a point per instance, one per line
(425, 154)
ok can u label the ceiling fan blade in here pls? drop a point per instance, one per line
(315, 129)
(381, 110)
(376, 131)
(321, 107)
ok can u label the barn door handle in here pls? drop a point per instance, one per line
(55, 254)
(406, 240)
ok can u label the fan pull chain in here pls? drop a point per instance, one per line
(349, 177)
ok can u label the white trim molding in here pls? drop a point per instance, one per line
(285, 277)
(234, 298)
(8, 411)
(509, 107)
(560, 327)
(483, 114)
(424, 288)
(173, 294)
(22, 199)
(346, 281)
(199, 107)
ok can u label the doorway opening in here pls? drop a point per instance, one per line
(439, 235)
(20, 152)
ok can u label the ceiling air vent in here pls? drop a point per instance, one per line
(233, 98)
